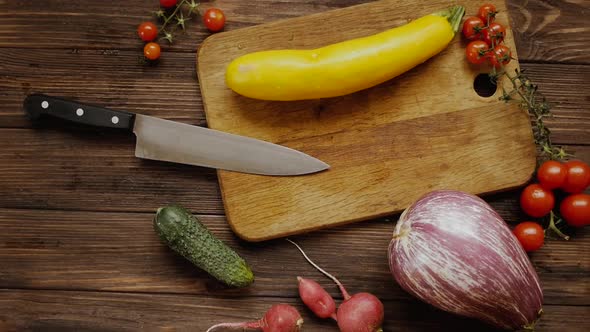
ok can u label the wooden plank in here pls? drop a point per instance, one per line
(171, 91)
(121, 252)
(109, 79)
(568, 93)
(551, 31)
(75, 168)
(104, 25)
(91, 311)
(80, 169)
(546, 30)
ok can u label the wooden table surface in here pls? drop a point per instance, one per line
(77, 249)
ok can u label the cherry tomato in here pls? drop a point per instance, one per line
(530, 235)
(500, 56)
(487, 13)
(151, 51)
(551, 174)
(472, 27)
(168, 3)
(575, 209)
(147, 31)
(536, 201)
(494, 34)
(476, 52)
(578, 177)
(214, 19)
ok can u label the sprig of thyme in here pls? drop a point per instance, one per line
(182, 13)
(523, 91)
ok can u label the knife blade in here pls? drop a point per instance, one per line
(165, 140)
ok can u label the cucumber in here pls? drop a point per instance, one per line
(187, 236)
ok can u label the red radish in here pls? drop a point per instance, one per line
(279, 318)
(316, 298)
(361, 312)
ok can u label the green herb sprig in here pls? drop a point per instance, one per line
(178, 18)
(523, 91)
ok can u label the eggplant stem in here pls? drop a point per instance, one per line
(531, 326)
(336, 281)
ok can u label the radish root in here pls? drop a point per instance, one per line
(251, 325)
(279, 317)
(336, 281)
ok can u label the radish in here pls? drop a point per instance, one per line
(316, 298)
(361, 312)
(279, 318)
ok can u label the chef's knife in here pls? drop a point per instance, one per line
(160, 139)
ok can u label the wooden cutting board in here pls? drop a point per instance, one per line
(387, 145)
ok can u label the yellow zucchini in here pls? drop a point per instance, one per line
(345, 67)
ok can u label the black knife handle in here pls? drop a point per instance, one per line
(37, 105)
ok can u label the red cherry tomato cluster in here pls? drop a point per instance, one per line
(486, 38)
(148, 32)
(213, 19)
(538, 199)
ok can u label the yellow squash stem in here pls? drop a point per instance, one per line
(346, 67)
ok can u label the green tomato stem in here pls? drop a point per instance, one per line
(167, 20)
(554, 228)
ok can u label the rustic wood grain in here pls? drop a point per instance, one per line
(81, 25)
(545, 30)
(110, 79)
(116, 271)
(121, 252)
(551, 31)
(93, 311)
(72, 167)
(569, 97)
(378, 141)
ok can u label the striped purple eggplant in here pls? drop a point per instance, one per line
(453, 251)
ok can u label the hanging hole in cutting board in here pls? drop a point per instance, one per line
(484, 86)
